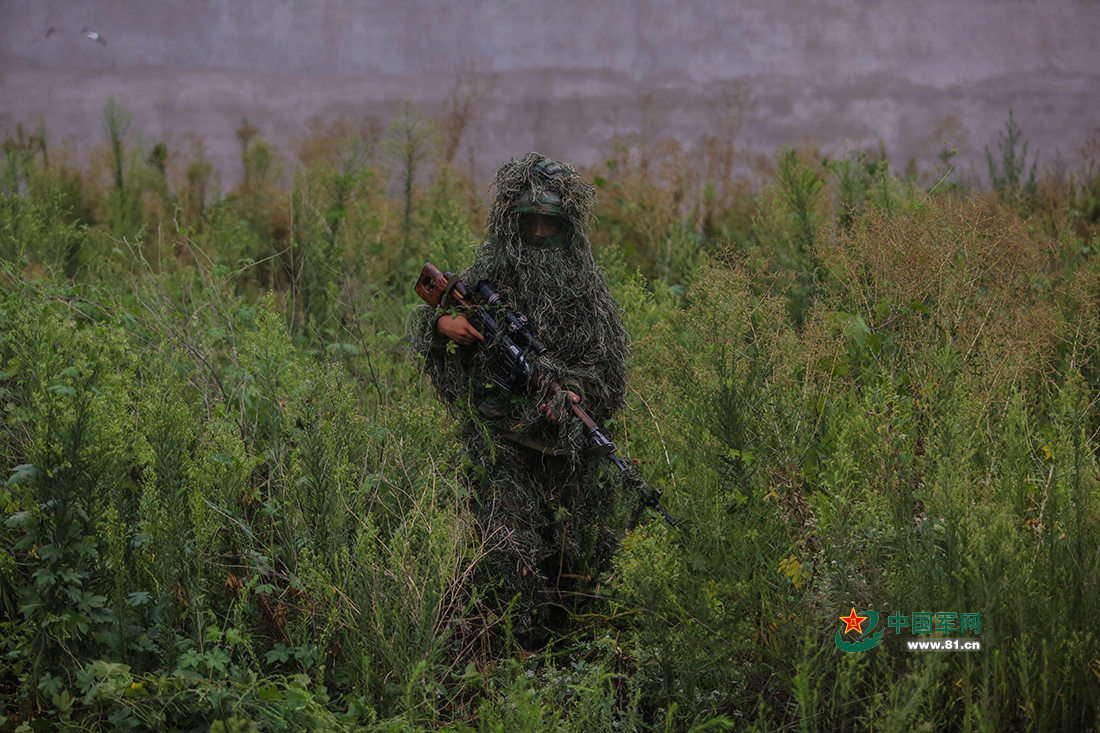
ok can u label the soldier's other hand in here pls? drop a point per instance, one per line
(549, 413)
(458, 329)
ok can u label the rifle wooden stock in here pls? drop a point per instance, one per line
(432, 285)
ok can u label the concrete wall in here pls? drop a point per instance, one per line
(564, 77)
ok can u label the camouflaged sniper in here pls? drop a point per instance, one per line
(542, 506)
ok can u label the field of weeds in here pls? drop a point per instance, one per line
(231, 502)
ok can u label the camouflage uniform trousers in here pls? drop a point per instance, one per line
(544, 521)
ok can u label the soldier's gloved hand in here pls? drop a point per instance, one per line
(548, 412)
(458, 329)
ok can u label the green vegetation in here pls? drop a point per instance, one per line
(232, 503)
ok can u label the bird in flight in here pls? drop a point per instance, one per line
(89, 33)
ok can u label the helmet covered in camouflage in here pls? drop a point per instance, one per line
(548, 203)
(537, 185)
(536, 199)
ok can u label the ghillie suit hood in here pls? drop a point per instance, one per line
(544, 512)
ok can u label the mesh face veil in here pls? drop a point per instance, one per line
(543, 230)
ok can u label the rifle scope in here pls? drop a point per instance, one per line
(516, 325)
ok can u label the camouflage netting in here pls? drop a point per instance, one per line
(543, 514)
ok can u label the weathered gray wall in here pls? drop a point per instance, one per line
(567, 75)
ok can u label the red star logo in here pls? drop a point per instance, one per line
(854, 622)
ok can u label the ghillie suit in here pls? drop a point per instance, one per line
(541, 506)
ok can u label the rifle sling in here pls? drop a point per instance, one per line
(557, 452)
(451, 282)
